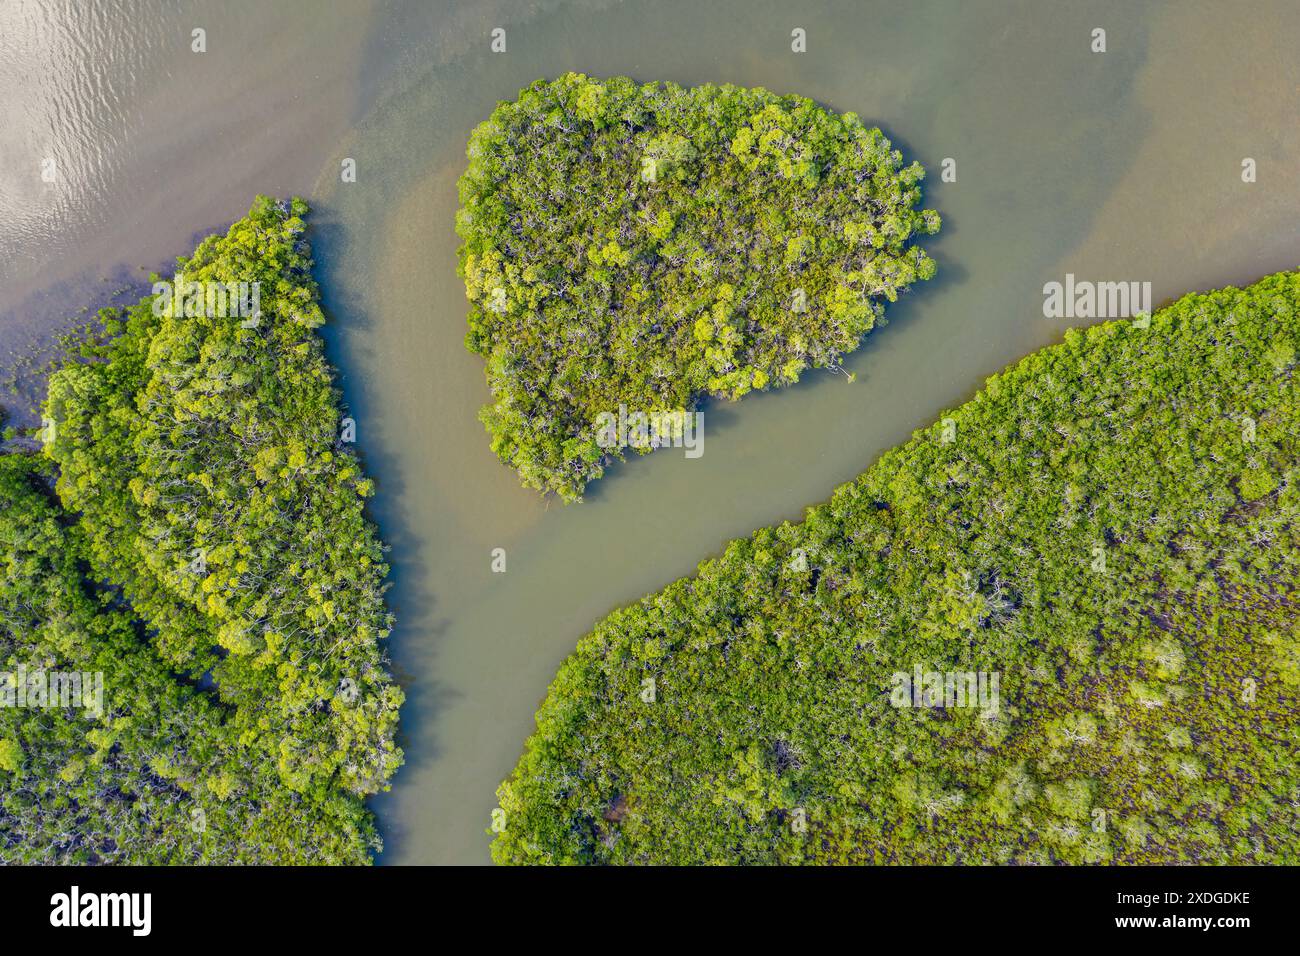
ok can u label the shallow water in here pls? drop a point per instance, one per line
(1115, 166)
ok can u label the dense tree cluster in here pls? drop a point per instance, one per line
(648, 245)
(201, 456)
(159, 776)
(1111, 526)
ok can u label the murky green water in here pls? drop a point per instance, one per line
(1114, 166)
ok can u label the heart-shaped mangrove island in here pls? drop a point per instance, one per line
(632, 248)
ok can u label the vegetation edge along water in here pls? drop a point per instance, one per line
(631, 248)
(1060, 625)
(195, 534)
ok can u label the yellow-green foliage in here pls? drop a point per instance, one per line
(1086, 534)
(647, 245)
(202, 457)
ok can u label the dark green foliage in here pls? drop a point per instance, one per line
(201, 455)
(159, 777)
(648, 245)
(1110, 526)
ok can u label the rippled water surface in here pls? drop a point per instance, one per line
(1122, 165)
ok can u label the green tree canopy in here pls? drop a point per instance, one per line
(201, 454)
(648, 245)
(1110, 527)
